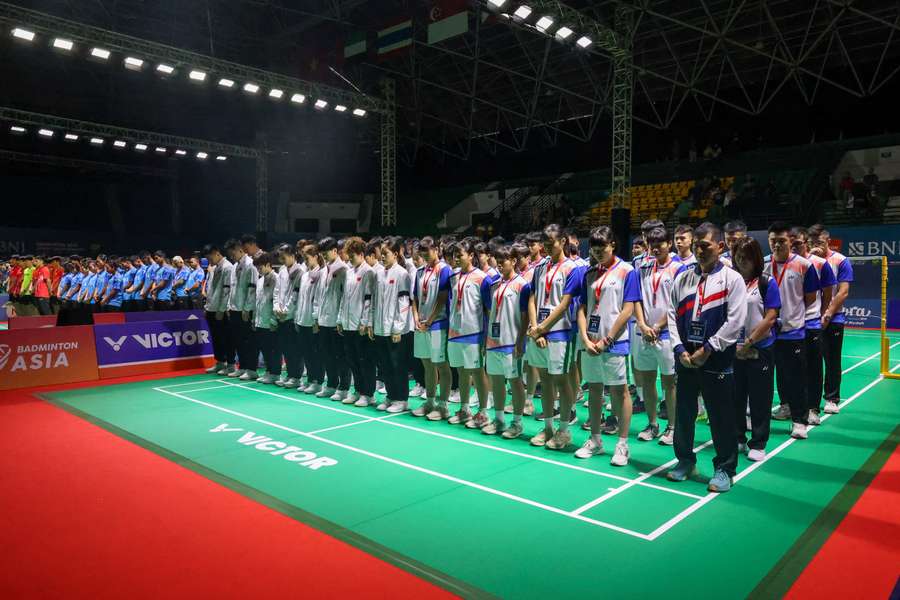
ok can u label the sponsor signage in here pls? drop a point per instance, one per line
(292, 454)
(38, 322)
(163, 315)
(108, 318)
(32, 357)
(152, 347)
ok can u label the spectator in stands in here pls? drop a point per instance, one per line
(870, 183)
(846, 188)
(683, 211)
(692, 151)
(708, 152)
(730, 203)
(870, 180)
(748, 190)
(716, 214)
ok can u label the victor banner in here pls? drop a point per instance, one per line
(32, 357)
(152, 347)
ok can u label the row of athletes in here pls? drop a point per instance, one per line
(501, 312)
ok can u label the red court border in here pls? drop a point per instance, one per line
(87, 514)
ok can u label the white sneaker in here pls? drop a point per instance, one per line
(620, 456)
(589, 448)
(363, 402)
(268, 379)
(460, 417)
(337, 396)
(417, 391)
(782, 413)
(668, 436)
(226, 370)
(249, 375)
(237, 372)
(349, 398)
(379, 388)
(214, 370)
(831, 408)
(756, 455)
(454, 396)
(383, 405)
(281, 380)
(313, 388)
(813, 418)
(798, 431)
(291, 382)
(397, 407)
(326, 392)
(424, 409)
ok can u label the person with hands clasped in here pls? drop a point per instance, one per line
(265, 324)
(608, 296)
(707, 312)
(389, 325)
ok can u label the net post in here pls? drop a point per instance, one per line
(885, 346)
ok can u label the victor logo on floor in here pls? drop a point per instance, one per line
(304, 458)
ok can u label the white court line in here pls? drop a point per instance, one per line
(634, 482)
(406, 465)
(217, 387)
(708, 498)
(486, 446)
(390, 416)
(195, 382)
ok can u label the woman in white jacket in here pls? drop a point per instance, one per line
(306, 319)
(389, 325)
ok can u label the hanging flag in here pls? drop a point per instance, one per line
(449, 18)
(395, 38)
(355, 44)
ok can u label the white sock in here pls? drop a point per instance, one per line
(498, 416)
(623, 440)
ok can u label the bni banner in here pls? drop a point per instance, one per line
(152, 347)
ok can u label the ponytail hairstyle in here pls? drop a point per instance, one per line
(394, 243)
(313, 250)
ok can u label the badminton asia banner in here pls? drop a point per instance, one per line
(153, 347)
(30, 357)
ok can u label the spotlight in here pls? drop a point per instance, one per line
(226, 83)
(276, 93)
(563, 32)
(544, 23)
(18, 130)
(298, 98)
(45, 133)
(359, 112)
(523, 11)
(140, 147)
(251, 88)
(160, 149)
(70, 137)
(220, 157)
(340, 108)
(23, 34)
(133, 64)
(63, 44)
(180, 152)
(202, 155)
(119, 144)
(497, 3)
(100, 53)
(320, 104)
(165, 69)
(584, 41)
(97, 141)
(197, 75)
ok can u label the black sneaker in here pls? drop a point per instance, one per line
(637, 406)
(610, 425)
(573, 418)
(662, 412)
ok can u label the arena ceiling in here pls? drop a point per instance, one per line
(504, 84)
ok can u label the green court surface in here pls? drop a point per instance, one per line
(482, 515)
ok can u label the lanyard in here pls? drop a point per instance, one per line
(548, 281)
(498, 299)
(783, 269)
(459, 289)
(428, 275)
(655, 281)
(598, 291)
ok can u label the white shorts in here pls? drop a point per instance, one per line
(650, 357)
(465, 356)
(503, 363)
(431, 345)
(606, 368)
(556, 358)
